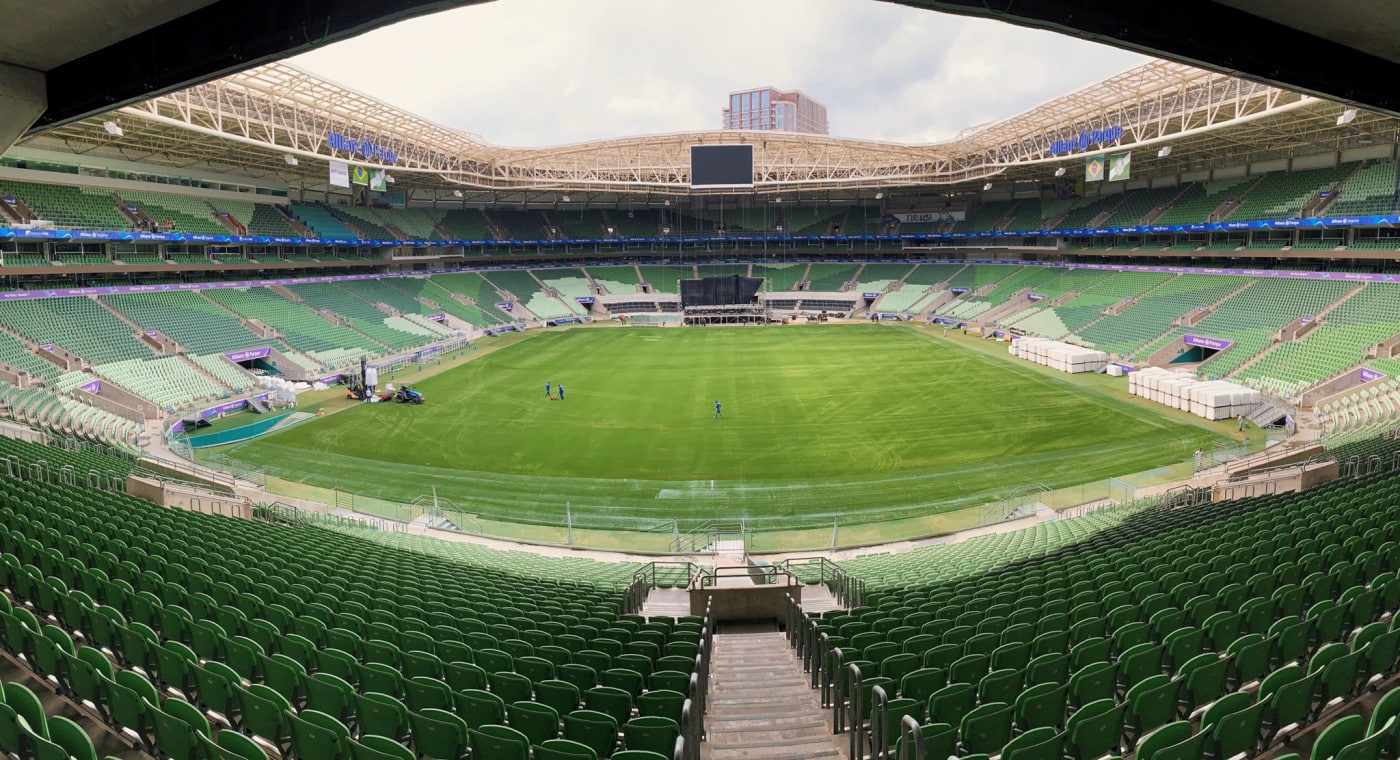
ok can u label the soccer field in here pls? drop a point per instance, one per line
(867, 422)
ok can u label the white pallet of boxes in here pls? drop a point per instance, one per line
(1211, 399)
(1065, 357)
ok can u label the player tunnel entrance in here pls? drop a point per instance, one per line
(1189, 349)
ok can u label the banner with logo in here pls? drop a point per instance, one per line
(1120, 167)
(1093, 169)
(359, 175)
(377, 182)
(340, 174)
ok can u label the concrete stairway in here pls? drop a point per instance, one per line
(667, 602)
(761, 704)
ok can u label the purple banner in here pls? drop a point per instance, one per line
(1126, 367)
(330, 379)
(230, 406)
(1204, 342)
(1370, 375)
(152, 333)
(1034, 297)
(94, 386)
(249, 355)
(870, 296)
(957, 291)
(505, 305)
(585, 300)
(48, 347)
(437, 317)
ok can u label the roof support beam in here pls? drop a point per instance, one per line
(219, 39)
(1208, 34)
(22, 100)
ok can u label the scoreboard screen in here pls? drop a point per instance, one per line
(721, 166)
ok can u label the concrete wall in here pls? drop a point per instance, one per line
(745, 602)
(176, 496)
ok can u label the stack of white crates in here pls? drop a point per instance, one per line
(1211, 399)
(1065, 357)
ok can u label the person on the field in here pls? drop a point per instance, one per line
(719, 413)
(561, 393)
(547, 394)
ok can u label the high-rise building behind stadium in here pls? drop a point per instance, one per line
(771, 110)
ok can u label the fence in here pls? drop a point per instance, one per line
(618, 529)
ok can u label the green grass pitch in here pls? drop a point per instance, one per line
(867, 422)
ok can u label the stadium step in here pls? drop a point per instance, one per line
(669, 602)
(762, 706)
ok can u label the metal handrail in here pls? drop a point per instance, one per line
(909, 728)
(848, 590)
(879, 710)
(855, 682)
(838, 692)
(708, 578)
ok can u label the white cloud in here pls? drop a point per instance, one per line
(546, 72)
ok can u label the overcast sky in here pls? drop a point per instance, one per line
(549, 72)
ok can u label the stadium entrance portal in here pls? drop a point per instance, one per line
(1188, 349)
(1194, 355)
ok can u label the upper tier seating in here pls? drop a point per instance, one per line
(1282, 195)
(1371, 191)
(988, 216)
(1137, 204)
(1197, 201)
(579, 224)
(321, 221)
(367, 221)
(71, 208)
(467, 224)
(814, 221)
(521, 225)
(635, 224)
(189, 214)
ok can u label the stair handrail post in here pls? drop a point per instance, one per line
(831, 660)
(683, 742)
(909, 728)
(879, 709)
(701, 701)
(856, 688)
